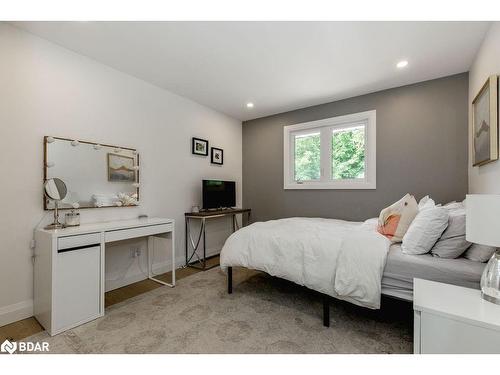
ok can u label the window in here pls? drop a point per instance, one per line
(334, 153)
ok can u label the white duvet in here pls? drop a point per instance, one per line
(339, 258)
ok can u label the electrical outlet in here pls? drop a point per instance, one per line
(135, 252)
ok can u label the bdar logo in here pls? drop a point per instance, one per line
(8, 347)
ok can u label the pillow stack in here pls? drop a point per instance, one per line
(430, 228)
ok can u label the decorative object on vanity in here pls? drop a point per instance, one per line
(217, 156)
(485, 123)
(199, 146)
(94, 173)
(121, 168)
(483, 223)
(72, 219)
(55, 189)
(128, 200)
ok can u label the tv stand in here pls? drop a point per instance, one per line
(193, 246)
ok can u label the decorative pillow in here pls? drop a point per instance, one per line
(479, 253)
(394, 220)
(452, 243)
(425, 230)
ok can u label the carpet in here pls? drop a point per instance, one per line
(263, 315)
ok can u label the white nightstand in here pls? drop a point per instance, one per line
(453, 319)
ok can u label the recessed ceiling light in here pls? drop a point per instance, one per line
(402, 64)
(249, 105)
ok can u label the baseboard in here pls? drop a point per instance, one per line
(17, 311)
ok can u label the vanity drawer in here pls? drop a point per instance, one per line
(123, 234)
(78, 241)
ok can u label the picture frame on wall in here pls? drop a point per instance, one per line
(217, 156)
(199, 146)
(485, 123)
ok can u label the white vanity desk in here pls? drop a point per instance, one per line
(69, 268)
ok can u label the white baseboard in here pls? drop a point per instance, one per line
(17, 311)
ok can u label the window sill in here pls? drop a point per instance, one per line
(347, 185)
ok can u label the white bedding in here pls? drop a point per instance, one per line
(339, 258)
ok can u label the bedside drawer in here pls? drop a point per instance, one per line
(442, 335)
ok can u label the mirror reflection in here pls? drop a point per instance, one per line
(95, 175)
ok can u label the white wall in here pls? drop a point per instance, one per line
(48, 90)
(485, 179)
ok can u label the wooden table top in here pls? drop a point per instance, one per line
(224, 212)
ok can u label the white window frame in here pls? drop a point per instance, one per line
(325, 127)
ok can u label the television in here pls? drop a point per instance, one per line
(218, 194)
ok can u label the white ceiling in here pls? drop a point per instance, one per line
(279, 66)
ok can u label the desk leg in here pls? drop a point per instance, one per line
(150, 261)
(173, 257)
(186, 239)
(204, 245)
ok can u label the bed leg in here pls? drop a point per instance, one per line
(326, 311)
(229, 280)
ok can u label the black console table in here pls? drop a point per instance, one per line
(192, 246)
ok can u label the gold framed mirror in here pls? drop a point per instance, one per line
(97, 175)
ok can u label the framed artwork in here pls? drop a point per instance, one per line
(120, 168)
(199, 146)
(485, 123)
(217, 156)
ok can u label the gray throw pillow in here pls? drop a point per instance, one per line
(452, 242)
(479, 253)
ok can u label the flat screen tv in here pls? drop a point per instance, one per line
(218, 194)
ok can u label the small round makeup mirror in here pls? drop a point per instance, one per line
(56, 190)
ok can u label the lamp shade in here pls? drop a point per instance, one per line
(483, 219)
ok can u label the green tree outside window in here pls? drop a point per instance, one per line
(307, 157)
(348, 154)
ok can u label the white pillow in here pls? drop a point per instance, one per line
(452, 243)
(425, 203)
(425, 230)
(479, 253)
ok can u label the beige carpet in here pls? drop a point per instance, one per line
(263, 315)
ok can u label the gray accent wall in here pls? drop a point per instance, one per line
(421, 149)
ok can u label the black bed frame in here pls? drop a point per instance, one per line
(326, 298)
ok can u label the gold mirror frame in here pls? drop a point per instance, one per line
(45, 142)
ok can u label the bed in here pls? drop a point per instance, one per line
(345, 260)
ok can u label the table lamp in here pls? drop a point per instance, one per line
(483, 227)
